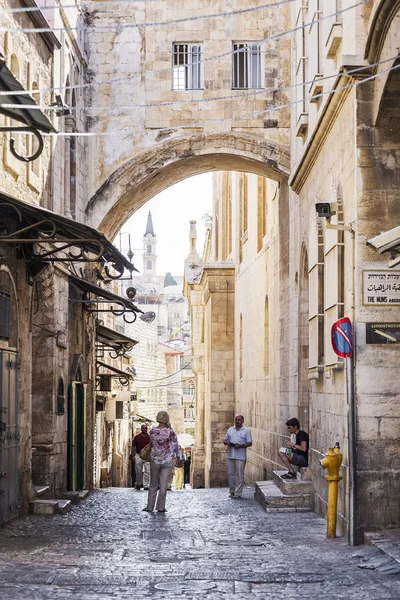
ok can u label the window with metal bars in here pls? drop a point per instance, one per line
(246, 66)
(5, 315)
(187, 67)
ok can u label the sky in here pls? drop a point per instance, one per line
(171, 211)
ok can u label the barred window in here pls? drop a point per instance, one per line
(187, 72)
(246, 66)
(5, 315)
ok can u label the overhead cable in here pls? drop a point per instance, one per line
(246, 93)
(90, 28)
(239, 117)
(168, 69)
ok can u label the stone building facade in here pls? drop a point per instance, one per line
(171, 96)
(46, 343)
(345, 151)
(295, 274)
(49, 330)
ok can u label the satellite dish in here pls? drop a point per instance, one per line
(131, 293)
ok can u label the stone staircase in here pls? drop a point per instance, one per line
(44, 505)
(284, 495)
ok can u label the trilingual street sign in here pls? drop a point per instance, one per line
(342, 337)
(382, 333)
(381, 288)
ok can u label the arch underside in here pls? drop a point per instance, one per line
(383, 47)
(154, 170)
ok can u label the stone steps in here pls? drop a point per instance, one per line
(284, 495)
(42, 491)
(48, 506)
(292, 486)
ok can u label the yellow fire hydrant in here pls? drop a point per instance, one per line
(332, 461)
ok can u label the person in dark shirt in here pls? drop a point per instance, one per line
(299, 455)
(142, 467)
(186, 467)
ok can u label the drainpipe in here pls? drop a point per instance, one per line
(351, 419)
(351, 425)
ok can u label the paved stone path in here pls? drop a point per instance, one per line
(205, 546)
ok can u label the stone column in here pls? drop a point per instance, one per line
(217, 283)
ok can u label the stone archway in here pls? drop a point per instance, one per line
(156, 169)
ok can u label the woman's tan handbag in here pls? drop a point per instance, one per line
(145, 453)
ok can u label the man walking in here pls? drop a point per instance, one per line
(142, 467)
(238, 439)
(298, 445)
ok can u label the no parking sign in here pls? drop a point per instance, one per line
(342, 337)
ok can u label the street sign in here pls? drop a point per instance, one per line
(383, 333)
(342, 337)
(381, 287)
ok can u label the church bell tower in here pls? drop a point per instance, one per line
(149, 254)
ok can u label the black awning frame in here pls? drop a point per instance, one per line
(126, 308)
(123, 378)
(115, 343)
(32, 120)
(44, 236)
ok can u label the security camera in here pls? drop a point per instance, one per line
(63, 109)
(384, 242)
(325, 209)
(131, 293)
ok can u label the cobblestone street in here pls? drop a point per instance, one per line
(205, 546)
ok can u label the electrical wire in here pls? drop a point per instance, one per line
(89, 28)
(245, 93)
(30, 9)
(237, 118)
(168, 69)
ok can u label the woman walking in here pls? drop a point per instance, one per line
(164, 446)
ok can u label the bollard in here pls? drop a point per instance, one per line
(332, 461)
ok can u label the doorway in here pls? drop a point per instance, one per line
(9, 436)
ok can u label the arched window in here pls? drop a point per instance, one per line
(14, 164)
(266, 337)
(241, 348)
(149, 265)
(149, 249)
(304, 310)
(32, 140)
(60, 397)
(72, 166)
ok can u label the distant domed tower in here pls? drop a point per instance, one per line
(149, 254)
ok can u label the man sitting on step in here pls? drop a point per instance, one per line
(299, 449)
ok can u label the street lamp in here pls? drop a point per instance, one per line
(147, 317)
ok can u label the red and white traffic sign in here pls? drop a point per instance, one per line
(342, 337)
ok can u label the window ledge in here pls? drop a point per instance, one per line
(334, 40)
(302, 125)
(336, 366)
(316, 88)
(315, 372)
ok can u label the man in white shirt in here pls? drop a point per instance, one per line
(238, 439)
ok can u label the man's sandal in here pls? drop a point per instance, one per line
(289, 475)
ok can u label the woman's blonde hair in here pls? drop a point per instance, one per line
(162, 417)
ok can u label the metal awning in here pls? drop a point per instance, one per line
(32, 120)
(116, 343)
(116, 373)
(45, 236)
(119, 306)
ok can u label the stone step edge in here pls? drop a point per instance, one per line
(56, 506)
(383, 541)
(287, 509)
(40, 490)
(277, 492)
